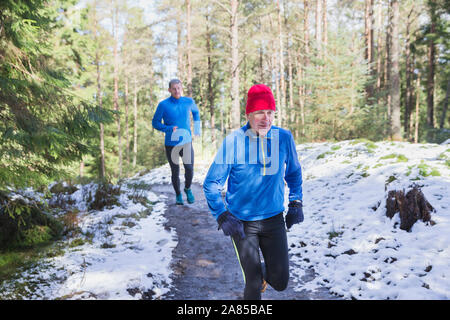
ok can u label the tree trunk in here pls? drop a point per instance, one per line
(275, 66)
(444, 110)
(301, 92)
(408, 73)
(416, 131)
(411, 111)
(291, 89)
(318, 29)
(305, 90)
(261, 69)
(387, 67)
(210, 94)
(180, 64)
(324, 28)
(306, 31)
(81, 168)
(394, 87)
(150, 85)
(116, 84)
(282, 106)
(379, 51)
(368, 35)
(353, 80)
(275, 71)
(99, 98)
(234, 28)
(431, 64)
(127, 138)
(135, 144)
(189, 53)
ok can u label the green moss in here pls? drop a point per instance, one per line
(399, 157)
(371, 146)
(425, 170)
(444, 156)
(334, 234)
(321, 156)
(389, 156)
(334, 148)
(10, 261)
(402, 158)
(77, 243)
(435, 172)
(390, 179)
(107, 245)
(409, 170)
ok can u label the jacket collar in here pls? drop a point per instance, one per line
(173, 100)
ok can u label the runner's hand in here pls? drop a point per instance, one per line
(230, 225)
(295, 213)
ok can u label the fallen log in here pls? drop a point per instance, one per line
(412, 206)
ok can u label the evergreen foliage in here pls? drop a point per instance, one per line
(44, 125)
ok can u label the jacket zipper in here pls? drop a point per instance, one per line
(264, 157)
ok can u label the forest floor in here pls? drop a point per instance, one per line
(204, 262)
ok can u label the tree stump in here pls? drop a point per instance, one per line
(412, 206)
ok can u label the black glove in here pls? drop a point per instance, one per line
(231, 226)
(294, 214)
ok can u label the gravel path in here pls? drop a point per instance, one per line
(204, 265)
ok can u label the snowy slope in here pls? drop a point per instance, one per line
(358, 252)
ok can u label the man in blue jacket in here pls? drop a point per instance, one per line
(257, 159)
(175, 112)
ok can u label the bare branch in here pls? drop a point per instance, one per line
(254, 14)
(223, 7)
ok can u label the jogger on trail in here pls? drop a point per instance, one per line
(175, 111)
(257, 159)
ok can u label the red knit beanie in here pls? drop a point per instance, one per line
(259, 97)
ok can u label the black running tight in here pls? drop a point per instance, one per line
(186, 152)
(269, 235)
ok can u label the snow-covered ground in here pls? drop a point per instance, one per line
(355, 250)
(126, 255)
(358, 252)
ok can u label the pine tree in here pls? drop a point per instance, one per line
(45, 125)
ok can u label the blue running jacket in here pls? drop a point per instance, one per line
(256, 168)
(175, 112)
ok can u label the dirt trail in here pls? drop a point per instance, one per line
(204, 265)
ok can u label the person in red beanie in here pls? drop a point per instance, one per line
(257, 160)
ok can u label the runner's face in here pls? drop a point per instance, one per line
(261, 121)
(176, 90)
